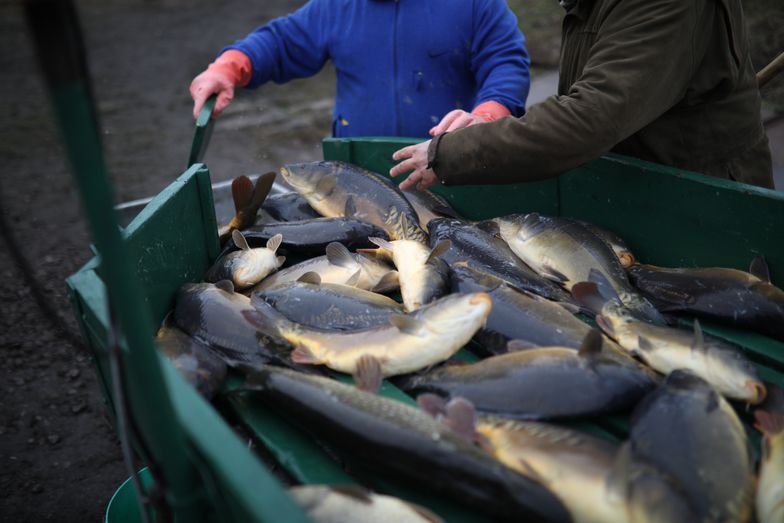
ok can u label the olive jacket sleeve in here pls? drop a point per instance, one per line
(638, 67)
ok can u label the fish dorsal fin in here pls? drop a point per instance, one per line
(239, 240)
(274, 242)
(310, 277)
(759, 268)
(368, 373)
(519, 345)
(382, 243)
(698, 343)
(440, 248)
(263, 186)
(350, 208)
(241, 192)
(225, 285)
(433, 404)
(408, 324)
(489, 226)
(388, 281)
(587, 294)
(353, 279)
(592, 344)
(604, 286)
(325, 185)
(339, 255)
(444, 210)
(354, 492)
(461, 418)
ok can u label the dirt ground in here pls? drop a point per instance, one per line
(59, 458)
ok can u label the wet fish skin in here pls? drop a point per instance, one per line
(246, 267)
(592, 476)
(341, 189)
(213, 315)
(615, 242)
(200, 367)
(338, 306)
(689, 431)
(354, 504)
(770, 489)
(668, 348)
(516, 315)
(396, 439)
(530, 384)
(311, 237)
(429, 206)
(409, 343)
(725, 295)
(485, 252)
(566, 251)
(341, 267)
(289, 207)
(423, 276)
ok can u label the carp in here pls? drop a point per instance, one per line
(337, 189)
(246, 267)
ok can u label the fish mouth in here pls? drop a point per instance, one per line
(757, 391)
(481, 298)
(285, 172)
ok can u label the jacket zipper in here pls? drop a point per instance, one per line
(395, 71)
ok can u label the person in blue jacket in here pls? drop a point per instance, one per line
(404, 67)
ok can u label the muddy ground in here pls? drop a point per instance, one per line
(59, 458)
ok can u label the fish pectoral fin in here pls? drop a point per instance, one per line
(433, 404)
(440, 248)
(461, 418)
(604, 323)
(489, 226)
(280, 260)
(368, 373)
(310, 277)
(426, 514)
(274, 242)
(388, 281)
(350, 209)
(408, 324)
(519, 345)
(604, 286)
(353, 279)
(769, 423)
(302, 354)
(617, 483)
(553, 274)
(225, 285)
(239, 240)
(381, 243)
(587, 294)
(698, 343)
(592, 343)
(340, 256)
(759, 268)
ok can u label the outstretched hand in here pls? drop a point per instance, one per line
(414, 161)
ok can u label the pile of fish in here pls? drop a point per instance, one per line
(350, 275)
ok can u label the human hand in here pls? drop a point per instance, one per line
(212, 81)
(414, 159)
(456, 119)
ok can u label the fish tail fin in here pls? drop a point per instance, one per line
(368, 374)
(769, 423)
(261, 190)
(241, 192)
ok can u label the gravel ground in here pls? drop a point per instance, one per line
(59, 458)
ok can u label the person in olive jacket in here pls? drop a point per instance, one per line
(668, 81)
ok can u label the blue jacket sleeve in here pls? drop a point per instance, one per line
(499, 59)
(293, 46)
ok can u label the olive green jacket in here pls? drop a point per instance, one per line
(669, 81)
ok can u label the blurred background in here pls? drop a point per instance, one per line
(59, 458)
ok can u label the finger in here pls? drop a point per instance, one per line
(403, 167)
(199, 96)
(446, 121)
(461, 122)
(224, 99)
(409, 182)
(405, 152)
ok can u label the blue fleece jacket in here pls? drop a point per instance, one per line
(401, 64)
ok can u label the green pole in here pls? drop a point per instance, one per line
(58, 40)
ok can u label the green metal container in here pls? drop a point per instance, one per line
(668, 217)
